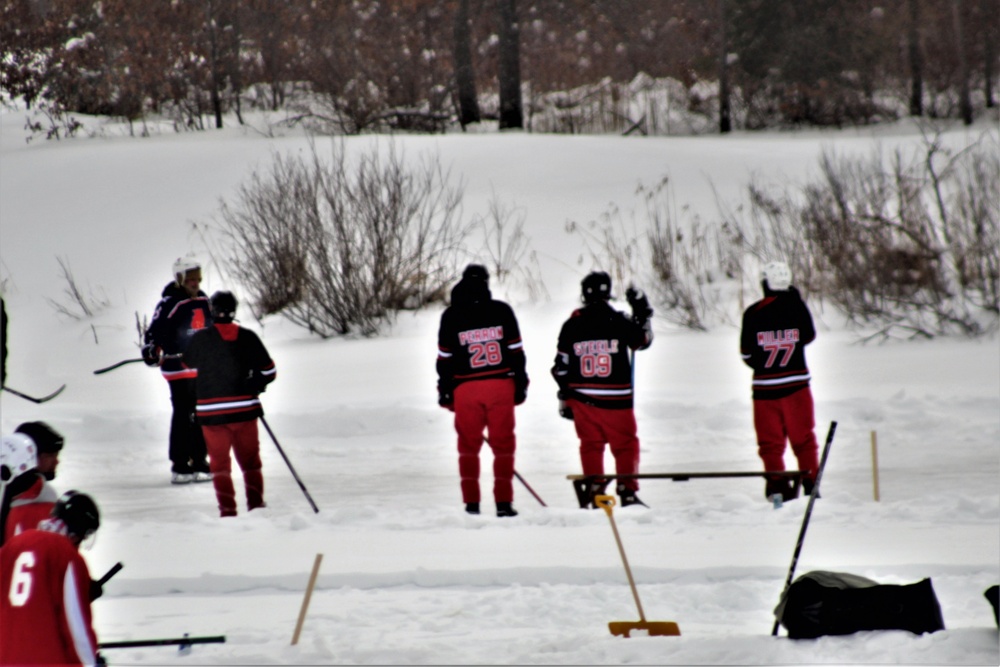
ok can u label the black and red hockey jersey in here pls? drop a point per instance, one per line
(775, 332)
(178, 316)
(592, 362)
(479, 339)
(233, 368)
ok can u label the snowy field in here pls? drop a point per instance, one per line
(407, 577)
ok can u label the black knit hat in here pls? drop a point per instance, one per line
(477, 272)
(46, 438)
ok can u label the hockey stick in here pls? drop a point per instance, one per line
(110, 573)
(486, 439)
(179, 641)
(118, 365)
(33, 399)
(805, 519)
(112, 367)
(289, 463)
(528, 487)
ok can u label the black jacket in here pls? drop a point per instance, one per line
(775, 333)
(479, 339)
(233, 368)
(592, 362)
(176, 319)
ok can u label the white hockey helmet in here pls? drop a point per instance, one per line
(18, 455)
(778, 276)
(181, 267)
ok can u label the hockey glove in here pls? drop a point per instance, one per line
(96, 590)
(639, 303)
(520, 396)
(151, 354)
(256, 384)
(446, 400)
(565, 411)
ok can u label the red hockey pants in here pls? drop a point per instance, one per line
(597, 427)
(788, 418)
(242, 438)
(486, 404)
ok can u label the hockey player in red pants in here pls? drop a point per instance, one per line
(233, 368)
(481, 377)
(594, 372)
(775, 332)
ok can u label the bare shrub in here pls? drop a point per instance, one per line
(902, 244)
(683, 263)
(509, 249)
(79, 304)
(338, 247)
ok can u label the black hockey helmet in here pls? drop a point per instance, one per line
(79, 514)
(223, 305)
(596, 287)
(46, 438)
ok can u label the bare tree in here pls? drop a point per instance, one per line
(725, 120)
(465, 78)
(965, 101)
(916, 60)
(509, 75)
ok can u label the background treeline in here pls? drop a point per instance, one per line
(545, 65)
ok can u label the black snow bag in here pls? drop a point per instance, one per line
(993, 595)
(836, 603)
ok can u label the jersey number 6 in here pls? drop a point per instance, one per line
(20, 582)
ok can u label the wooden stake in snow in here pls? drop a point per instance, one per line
(305, 600)
(875, 465)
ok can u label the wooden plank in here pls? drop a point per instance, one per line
(684, 476)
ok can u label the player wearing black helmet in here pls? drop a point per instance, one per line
(593, 369)
(45, 604)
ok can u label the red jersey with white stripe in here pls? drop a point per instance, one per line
(30, 508)
(773, 339)
(44, 602)
(592, 362)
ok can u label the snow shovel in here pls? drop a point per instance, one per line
(624, 628)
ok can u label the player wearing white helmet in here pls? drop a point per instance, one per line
(183, 310)
(30, 456)
(775, 331)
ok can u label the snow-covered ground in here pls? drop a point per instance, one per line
(407, 577)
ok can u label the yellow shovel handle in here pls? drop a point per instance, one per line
(606, 503)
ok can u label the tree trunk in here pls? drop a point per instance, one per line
(965, 100)
(465, 79)
(916, 61)
(725, 121)
(511, 115)
(990, 38)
